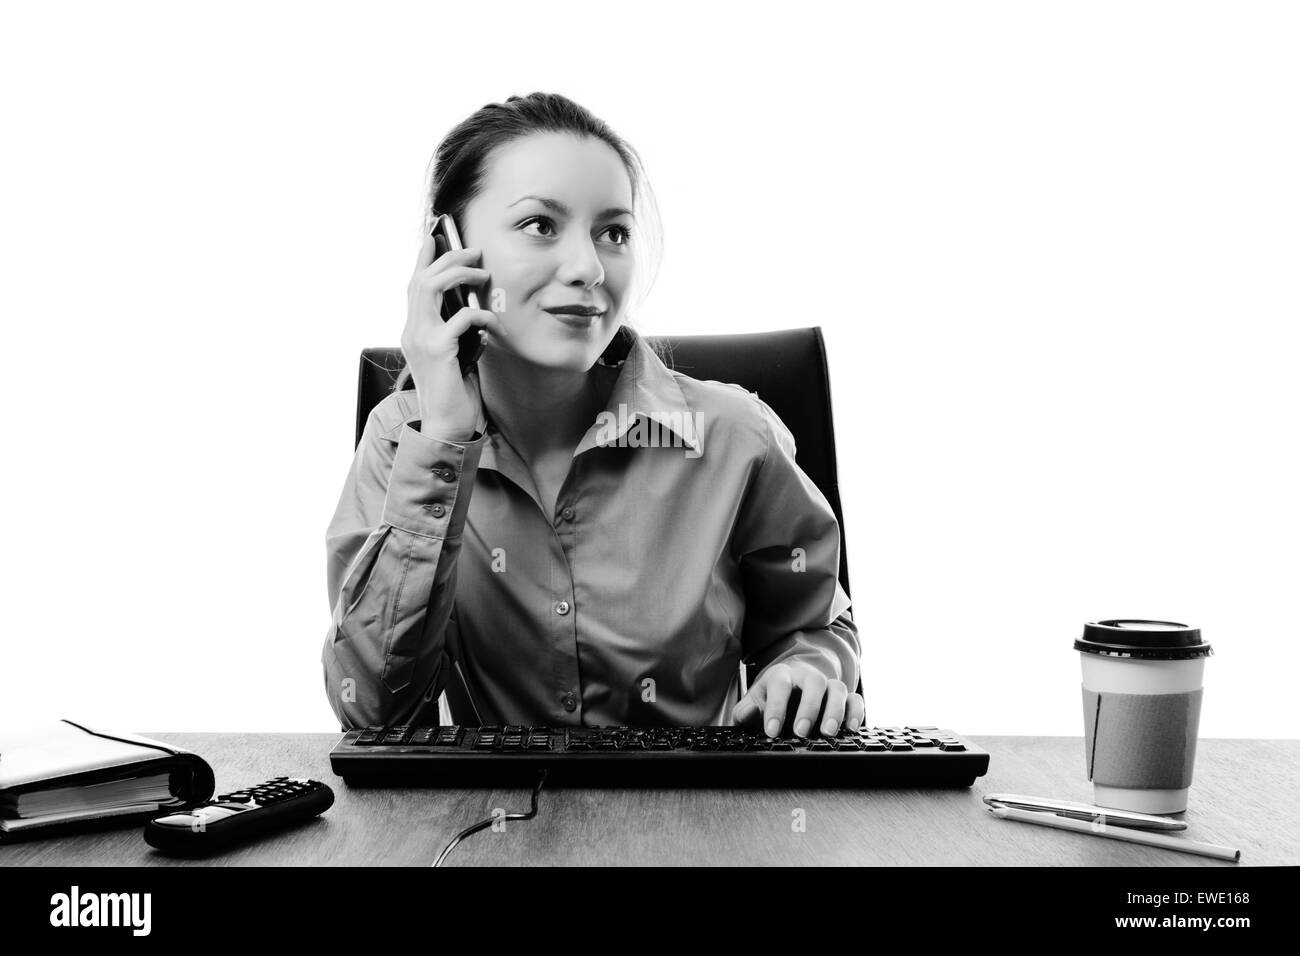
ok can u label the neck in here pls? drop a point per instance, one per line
(538, 410)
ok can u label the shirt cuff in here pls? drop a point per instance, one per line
(431, 482)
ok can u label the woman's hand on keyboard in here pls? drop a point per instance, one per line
(801, 687)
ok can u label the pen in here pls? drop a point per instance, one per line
(1085, 811)
(1118, 833)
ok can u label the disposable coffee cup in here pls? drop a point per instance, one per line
(1142, 686)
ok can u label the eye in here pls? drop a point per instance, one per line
(537, 221)
(623, 231)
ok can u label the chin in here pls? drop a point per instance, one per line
(559, 354)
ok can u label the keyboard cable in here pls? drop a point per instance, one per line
(483, 824)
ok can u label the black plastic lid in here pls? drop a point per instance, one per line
(1149, 640)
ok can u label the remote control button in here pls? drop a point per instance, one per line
(179, 821)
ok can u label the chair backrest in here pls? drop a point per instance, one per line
(787, 369)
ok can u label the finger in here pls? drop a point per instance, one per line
(778, 685)
(836, 697)
(813, 687)
(461, 322)
(857, 712)
(447, 257)
(438, 281)
(428, 252)
(751, 705)
(433, 260)
(485, 319)
(448, 272)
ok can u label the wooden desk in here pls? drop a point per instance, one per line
(1244, 796)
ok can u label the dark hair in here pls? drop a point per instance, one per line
(457, 172)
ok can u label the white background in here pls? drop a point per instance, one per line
(1052, 247)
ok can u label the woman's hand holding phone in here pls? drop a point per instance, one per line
(450, 404)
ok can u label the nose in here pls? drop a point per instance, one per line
(580, 263)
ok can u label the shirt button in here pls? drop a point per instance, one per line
(570, 701)
(437, 510)
(567, 514)
(448, 474)
(562, 607)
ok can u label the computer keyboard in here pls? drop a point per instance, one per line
(655, 756)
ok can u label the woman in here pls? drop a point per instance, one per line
(574, 532)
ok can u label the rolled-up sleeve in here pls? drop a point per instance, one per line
(788, 545)
(392, 549)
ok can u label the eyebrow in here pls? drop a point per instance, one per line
(556, 206)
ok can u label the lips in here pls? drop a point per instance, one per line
(576, 316)
(588, 310)
(575, 321)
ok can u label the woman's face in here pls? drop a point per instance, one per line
(553, 221)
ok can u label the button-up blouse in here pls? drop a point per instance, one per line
(685, 538)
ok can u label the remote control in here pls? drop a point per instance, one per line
(229, 818)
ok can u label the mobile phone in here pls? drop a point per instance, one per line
(445, 238)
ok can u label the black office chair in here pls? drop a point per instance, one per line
(787, 369)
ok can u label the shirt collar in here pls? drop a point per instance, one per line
(645, 388)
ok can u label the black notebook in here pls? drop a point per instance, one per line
(65, 777)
